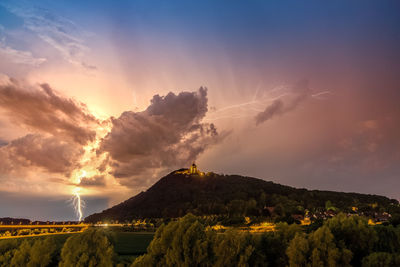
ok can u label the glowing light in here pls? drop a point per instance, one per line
(89, 168)
(84, 173)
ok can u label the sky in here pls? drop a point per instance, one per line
(102, 98)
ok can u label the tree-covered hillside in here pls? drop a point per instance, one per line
(232, 195)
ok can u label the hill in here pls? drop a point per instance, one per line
(180, 192)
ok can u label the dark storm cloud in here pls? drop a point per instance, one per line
(301, 92)
(41, 109)
(59, 127)
(373, 146)
(5, 164)
(3, 142)
(49, 153)
(95, 181)
(167, 134)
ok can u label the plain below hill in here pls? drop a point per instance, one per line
(182, 192)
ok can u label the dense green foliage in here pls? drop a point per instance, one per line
(233, 196)
(190, 241)
(383, 259)
(127, 246)
(341, 241)
(91, 248)
(317, 249)
(181, 243)
(31, 252)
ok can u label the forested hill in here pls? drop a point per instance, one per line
(212, 194)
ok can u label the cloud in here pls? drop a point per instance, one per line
(372, 145)
(95, 181)
(60, 33)
(300, 93)
(169, 133)
(19, 56)
(58, 130)
(41, 109)
(63, 137)
(3, 142)
(49, 153)
(277, 107)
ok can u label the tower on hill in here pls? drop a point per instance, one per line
(193, 169)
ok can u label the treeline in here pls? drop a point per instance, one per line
(21, 221)
(189, 241)
(36, 231)
(340, 241)
(9, 220)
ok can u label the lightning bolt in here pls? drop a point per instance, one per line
(78, 202)
(88, 168)
(319, 94)
(257, 104)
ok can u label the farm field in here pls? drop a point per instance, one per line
(129, 245)
(132, 243)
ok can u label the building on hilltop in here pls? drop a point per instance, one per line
(191, 171)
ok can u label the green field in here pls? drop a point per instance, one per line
(131, 243)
